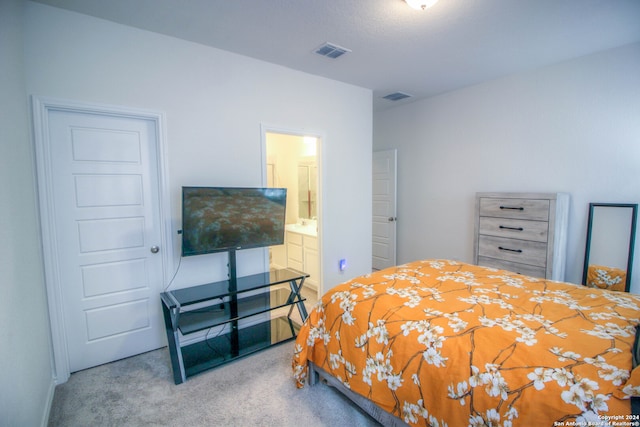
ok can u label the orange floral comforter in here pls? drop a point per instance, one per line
(443, 343)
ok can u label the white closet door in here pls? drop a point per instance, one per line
(384, 209)
(107, 233)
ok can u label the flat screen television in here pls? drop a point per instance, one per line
(216, 219)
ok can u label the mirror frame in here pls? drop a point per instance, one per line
(632, 237)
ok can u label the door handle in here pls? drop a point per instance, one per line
(155, 249)
(392, 219)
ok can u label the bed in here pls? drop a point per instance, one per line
(444, 343)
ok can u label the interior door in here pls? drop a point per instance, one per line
(384, 209)
(106, 209)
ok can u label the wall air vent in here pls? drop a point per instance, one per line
(396, 96)
(331, 50)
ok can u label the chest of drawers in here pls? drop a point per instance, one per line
(522, 232)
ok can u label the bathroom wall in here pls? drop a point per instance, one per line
(285, 152)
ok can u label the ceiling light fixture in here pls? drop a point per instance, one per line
(421, 4)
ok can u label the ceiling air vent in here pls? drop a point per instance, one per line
(331, 50)
(397, 96)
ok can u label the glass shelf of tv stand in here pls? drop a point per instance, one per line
(251, 328)
(217, 310)
(218, 314)
(216, 350)
(209, 291)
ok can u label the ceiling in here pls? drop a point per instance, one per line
(393, 48)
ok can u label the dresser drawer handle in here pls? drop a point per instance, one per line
(513, 208)
(504, 227)
(510, 250)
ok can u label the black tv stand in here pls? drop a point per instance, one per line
(223, 305)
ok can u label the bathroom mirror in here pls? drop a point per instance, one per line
(610, 240)
(307, 190)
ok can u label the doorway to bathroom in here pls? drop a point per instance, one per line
(292, 162)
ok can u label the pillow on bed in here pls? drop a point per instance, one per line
(603, 277)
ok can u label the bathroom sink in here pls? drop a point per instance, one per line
(308, 229)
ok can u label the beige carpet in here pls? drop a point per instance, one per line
(257, 390)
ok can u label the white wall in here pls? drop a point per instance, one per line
(215, 103)
(26, 382)
(571, 127)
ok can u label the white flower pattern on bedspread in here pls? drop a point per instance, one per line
(443, 343)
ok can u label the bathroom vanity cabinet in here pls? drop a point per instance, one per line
(302, 254)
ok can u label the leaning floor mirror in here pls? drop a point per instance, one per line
(610, 241)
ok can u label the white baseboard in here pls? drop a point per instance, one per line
(49, 402)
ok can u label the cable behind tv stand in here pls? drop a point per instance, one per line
(234, 316)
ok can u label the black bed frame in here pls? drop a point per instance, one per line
(317, 374)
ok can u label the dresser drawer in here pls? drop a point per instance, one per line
(533, 209)
(537, 231)
(527, 270)
(514, 250)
